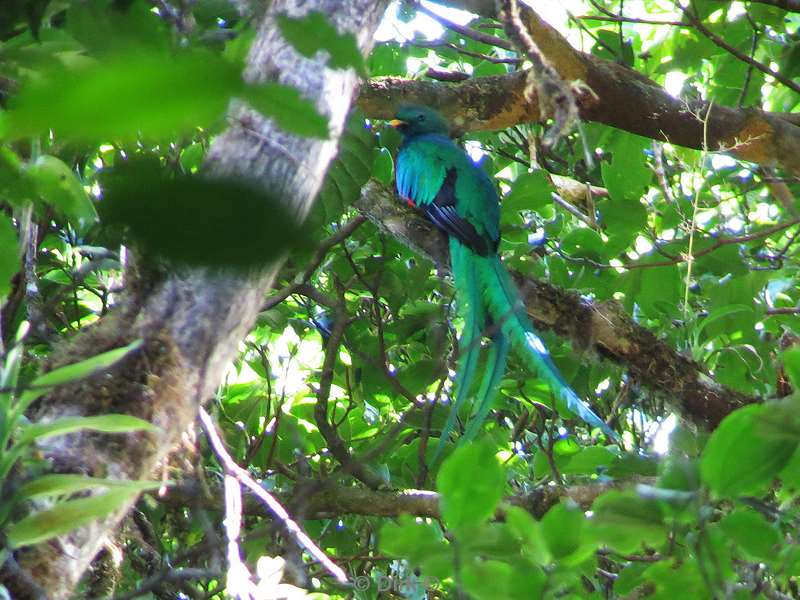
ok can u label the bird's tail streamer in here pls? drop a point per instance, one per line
(471, 307)
(506, 308)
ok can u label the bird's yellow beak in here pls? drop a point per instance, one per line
(396, 123)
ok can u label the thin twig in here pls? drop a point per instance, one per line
(718, 41)
(749, 75)
(780, 191)
(661, 171)
(442, 44)
(618, 19)
(693, 224)
(446, 76)
(344, 232)
(272, 503)
(169, 575)
(723, 241)
(335, 444)
(783, 310)
(478, 36)
(557, 199)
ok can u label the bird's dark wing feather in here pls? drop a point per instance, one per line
(442, 213)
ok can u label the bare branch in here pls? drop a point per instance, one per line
(275, 507)
(330, 501)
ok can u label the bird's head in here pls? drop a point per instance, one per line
(415, 120)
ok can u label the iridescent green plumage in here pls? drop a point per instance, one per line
(433, 173)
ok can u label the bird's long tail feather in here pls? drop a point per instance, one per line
(505, 308)
(495, 369)
(471, 307)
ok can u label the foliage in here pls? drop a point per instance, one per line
(17, 436)
(696, 247)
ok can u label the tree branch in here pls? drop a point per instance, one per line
(334, 501)
(604, 326)
(500, 101)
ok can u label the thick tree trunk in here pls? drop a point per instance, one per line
(191, 321)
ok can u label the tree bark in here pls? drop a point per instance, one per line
(335, 501)
(191, 321)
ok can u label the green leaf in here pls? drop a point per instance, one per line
(562, 527)
(388, 58)
(66, 516)
(583, 242)
(680, 580)
(623, 219)
(566, 447)
(630, 464)
(207, 12)
(42, 384)
(469, 500)
(723, 260)
(791, 364)
(529, 532)
(722, 312)
(197, 221)
(656, 289)
(411, 540)
(110, 423)
(486, 579)
(726, 83)
(59, 186)
(781, 421)
(751, 532)
(737, 460)
(490, 539)
(679, 473)
(105, 31)
(417, 376)
(383, 168)
(527, 581)
(9, 255)
(790, 474)
(530, 191)
(60, 484)
(289, 108)
(352, 167)
(627, 174)
(625, 521)
(313, 32)
(630, 578)
(192, 157)
(114, 98)
(15, 187)
(608, 47)
(588, 461)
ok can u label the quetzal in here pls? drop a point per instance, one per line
(437, 176)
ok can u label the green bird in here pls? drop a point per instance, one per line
(437, 176)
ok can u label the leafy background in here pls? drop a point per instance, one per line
(540, 506)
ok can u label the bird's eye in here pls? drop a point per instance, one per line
(420, 117)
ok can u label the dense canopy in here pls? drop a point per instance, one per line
(229, 349)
